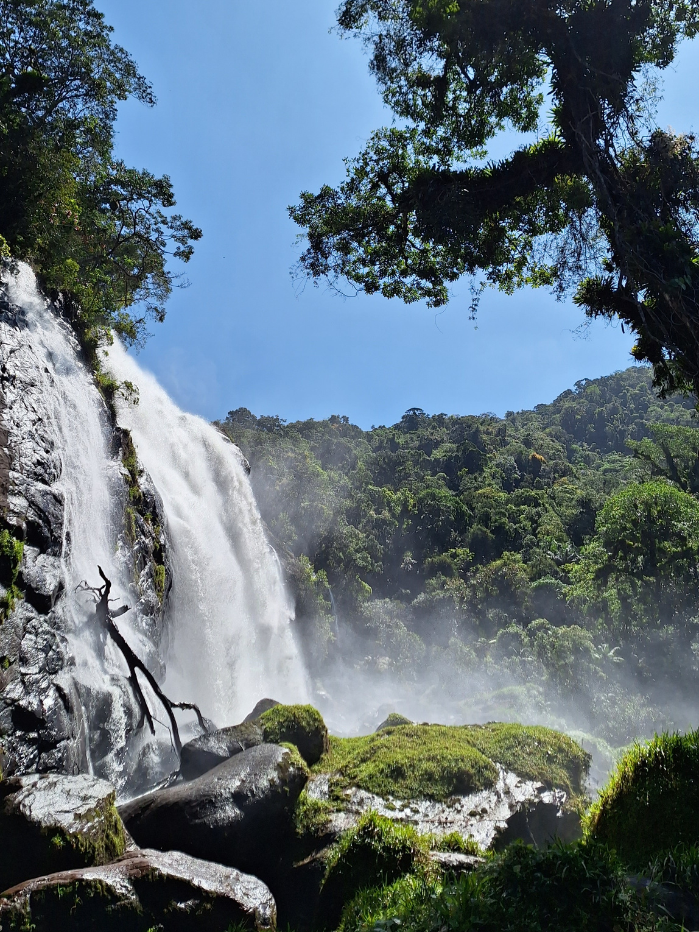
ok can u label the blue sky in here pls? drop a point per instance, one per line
(256, 102)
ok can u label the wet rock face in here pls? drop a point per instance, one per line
(264, 705)
(204, 753)
(53, 822)
(513, 809)
(142, 890)
(238, 814)
(41, 719)
(46, 714)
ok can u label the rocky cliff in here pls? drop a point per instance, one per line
(55, 717)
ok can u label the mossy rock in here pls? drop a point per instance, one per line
(440, 761)
(374, 853)
(143, 891)
(651, 802)
(300, 725)
(53, 822)
(393, 720)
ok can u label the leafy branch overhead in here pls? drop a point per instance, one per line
(603, 206)
(99, 233)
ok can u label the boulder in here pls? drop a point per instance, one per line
(239, 813)
(512, 809)
(41, 579)
(454, 862)
(300, 725)
(142, 890)
(207, 751)
(264, 705)
(51, 822)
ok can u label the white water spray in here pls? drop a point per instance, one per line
(230, 618)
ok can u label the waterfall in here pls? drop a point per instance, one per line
(229, 616)
(68, 408)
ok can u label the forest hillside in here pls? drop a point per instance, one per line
(550, 556)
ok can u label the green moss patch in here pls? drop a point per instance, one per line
(11, 551)
(394, 719)
(311, 816)
(374, 853)
(651, 803)
(534, 753)
(300, 725)
(409, 762)
(439, 761)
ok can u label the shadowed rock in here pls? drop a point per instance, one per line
(264, 705)
(238, 814)
(208, 751)
(52, 822)
(142, 890)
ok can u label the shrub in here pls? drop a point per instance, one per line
(650, 803)
(576, 888)
(301, 725)
(11, 551)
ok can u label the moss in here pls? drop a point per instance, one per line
(650, 803)
(534, 753)
(439, 761)
(159, 580)
(311, 816)
(11, 551)
(129, 458)
(374, 853)
(301, 725)
(393, 720)
(98, 838)
(409, 762)
(294, 759)
(130, 523)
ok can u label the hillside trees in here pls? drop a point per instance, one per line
(98, 232)
(641, 569)
(603, 206)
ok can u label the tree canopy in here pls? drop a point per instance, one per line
(551, 553)
(603, 206)
(98, 232)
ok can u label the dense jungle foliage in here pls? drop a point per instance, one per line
(99, 233)
(550, 556)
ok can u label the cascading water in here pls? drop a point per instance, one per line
(231, 640)
(227, 619)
